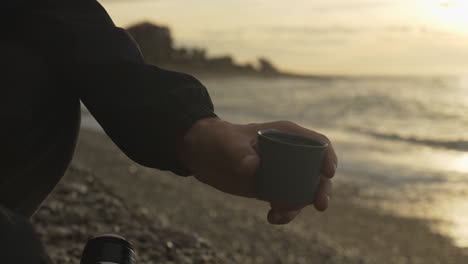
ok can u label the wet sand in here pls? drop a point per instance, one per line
(226, 229)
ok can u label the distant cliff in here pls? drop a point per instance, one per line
(156, 44)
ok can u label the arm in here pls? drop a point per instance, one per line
(17, 236)
(164, 119)
(145, 110)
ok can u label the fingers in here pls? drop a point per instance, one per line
(329, 164)
(281, 218)
(324, 194)
(281, 214)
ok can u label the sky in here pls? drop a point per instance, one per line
(357, 37)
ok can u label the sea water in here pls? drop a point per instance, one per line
(402, 140)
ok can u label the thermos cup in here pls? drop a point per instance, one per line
(290, 167)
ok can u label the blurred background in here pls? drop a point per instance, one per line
(386, 80)
(335, 37)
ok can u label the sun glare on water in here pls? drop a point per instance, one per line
(450, 14)
(461, 164)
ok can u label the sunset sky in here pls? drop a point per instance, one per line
(317, 36)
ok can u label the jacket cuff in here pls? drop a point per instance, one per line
(196, 114)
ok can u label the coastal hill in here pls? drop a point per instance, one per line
(157, 45)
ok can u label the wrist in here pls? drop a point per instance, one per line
(195, 136)
(202, 125)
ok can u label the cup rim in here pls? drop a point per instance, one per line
(264, 133)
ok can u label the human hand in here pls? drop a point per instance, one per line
(221, 154)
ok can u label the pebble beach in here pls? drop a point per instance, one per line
(172, 219)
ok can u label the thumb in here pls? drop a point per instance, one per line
(249, 164)
(244, 158)
(281, 214)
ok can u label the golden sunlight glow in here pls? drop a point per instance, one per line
(451, 161)
(450, 14)
(320, 36)
(461, 164)
(455, 210)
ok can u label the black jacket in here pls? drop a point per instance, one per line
(53, 54)
(144, 109)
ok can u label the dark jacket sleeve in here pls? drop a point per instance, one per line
(145, 110)
(19, 242)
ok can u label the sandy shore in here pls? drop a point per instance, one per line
(172, 219)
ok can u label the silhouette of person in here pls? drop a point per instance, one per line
(56, 53)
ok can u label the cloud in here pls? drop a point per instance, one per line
(398, 29)
(327, 6)
(448, 4)
(337, 29)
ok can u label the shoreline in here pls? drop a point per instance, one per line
(233, 229)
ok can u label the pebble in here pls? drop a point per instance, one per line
(79, 209)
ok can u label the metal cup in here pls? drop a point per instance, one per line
(290, 166)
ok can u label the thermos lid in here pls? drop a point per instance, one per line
(109, 249)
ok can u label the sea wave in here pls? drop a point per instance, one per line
(458, 145)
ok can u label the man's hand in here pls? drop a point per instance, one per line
(221, 155)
